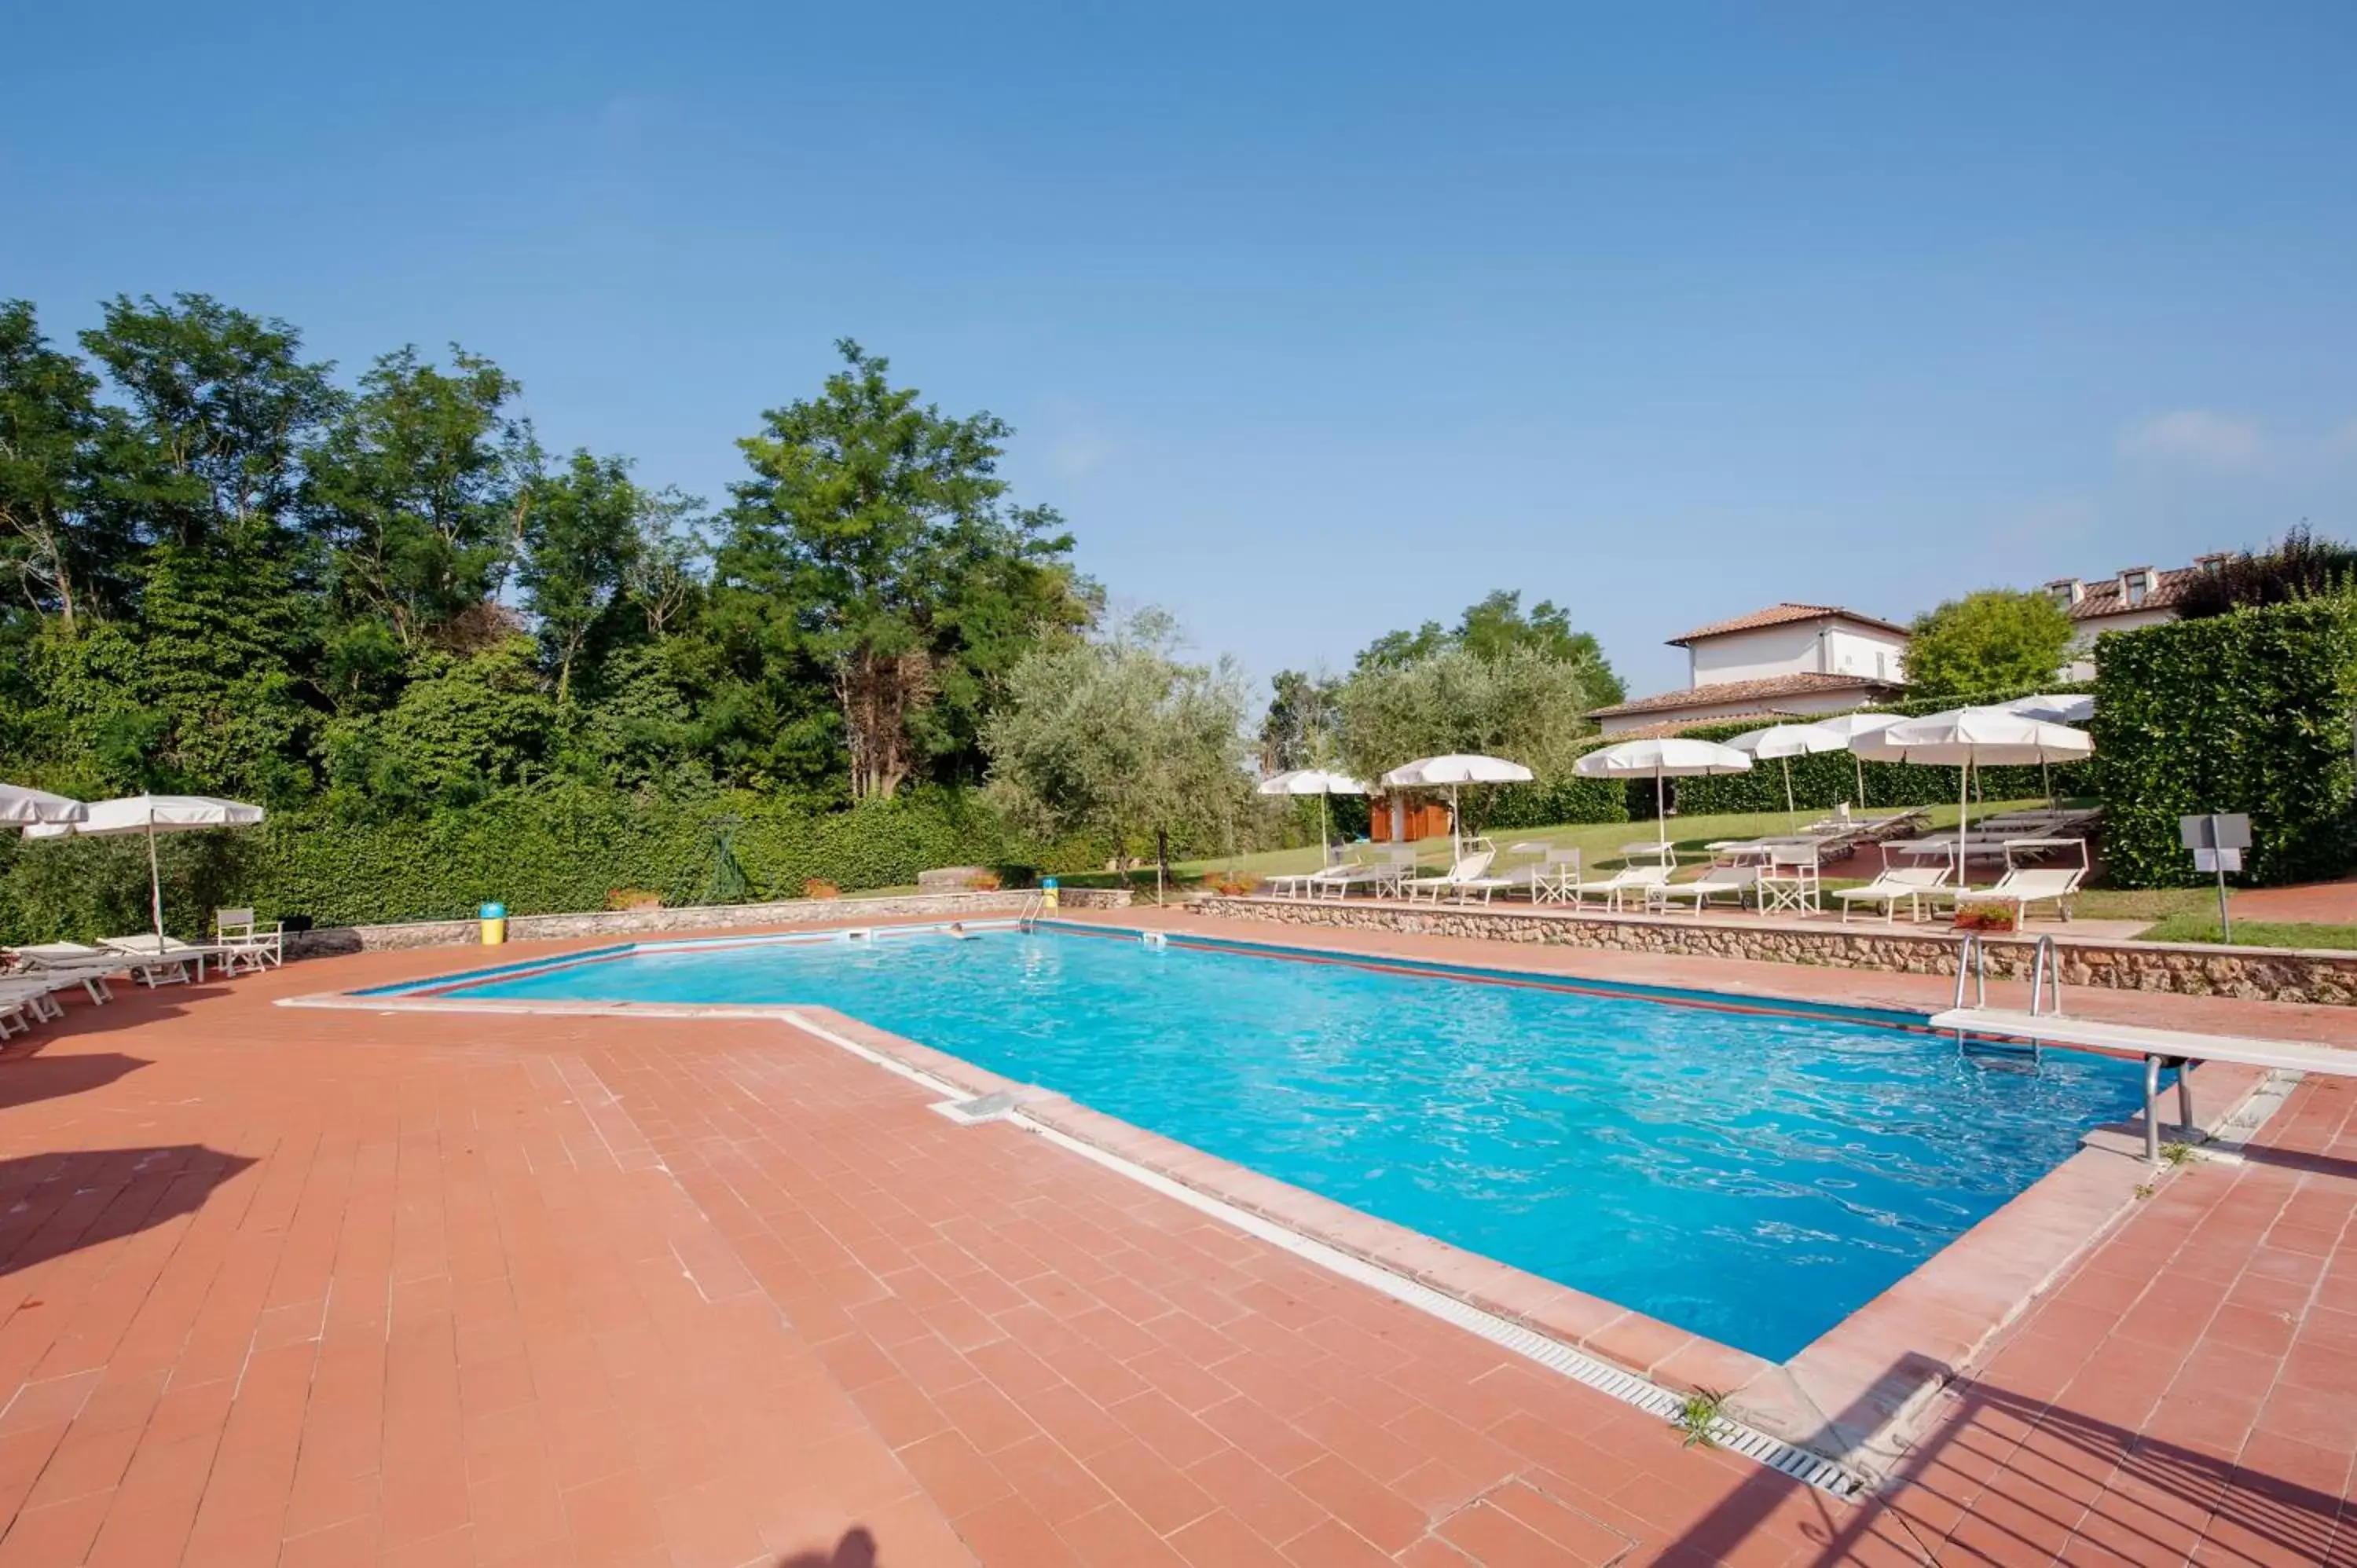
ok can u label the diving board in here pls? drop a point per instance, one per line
(2158, 1047)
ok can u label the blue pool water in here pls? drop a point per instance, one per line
(1754, 1178)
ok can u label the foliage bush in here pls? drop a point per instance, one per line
(2248, 711)
(556, 847)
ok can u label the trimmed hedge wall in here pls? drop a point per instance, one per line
(544, 850)
(1824, 780)
(1545, 803)
(2246, 712)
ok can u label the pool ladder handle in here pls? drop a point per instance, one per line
(2045, 973)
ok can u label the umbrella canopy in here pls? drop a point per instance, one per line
(1452, 771)
(21, 805)
(2072, 708)
(1312, 781)
(1965, 738)
(1671, 757)
(152, 814)
(1849, 727)
(1785, 742)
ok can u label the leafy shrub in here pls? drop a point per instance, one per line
(1994, 917)
(2301, 566)
(2244, 712)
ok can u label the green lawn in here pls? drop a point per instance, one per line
(2202, 926)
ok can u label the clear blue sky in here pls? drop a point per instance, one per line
(1316, 321)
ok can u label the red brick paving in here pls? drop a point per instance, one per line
(350, 1288)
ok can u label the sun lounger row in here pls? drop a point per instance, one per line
(39, 972)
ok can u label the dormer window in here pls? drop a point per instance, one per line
(2066, 591)
(2136, 587)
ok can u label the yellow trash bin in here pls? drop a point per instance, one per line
(1048, 893)
(495, 924)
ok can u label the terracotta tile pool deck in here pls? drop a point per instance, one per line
(292, 1286)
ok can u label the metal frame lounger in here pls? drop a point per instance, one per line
(1739, 880)
(1912, 883)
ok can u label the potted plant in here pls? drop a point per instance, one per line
(1990, 919)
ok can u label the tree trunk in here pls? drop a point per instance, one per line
(878, 692)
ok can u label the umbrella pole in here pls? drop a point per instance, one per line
(154, 885)
(1790, 810)
(1661, 814)
(1325, 850)
(1859, 763)
(1964, 809)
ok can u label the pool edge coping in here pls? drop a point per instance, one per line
(1880, 1366)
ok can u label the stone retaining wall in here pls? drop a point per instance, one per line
(697, 917)
(2258, 974)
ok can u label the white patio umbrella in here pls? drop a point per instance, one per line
(1785, 742)
(18, 804)
(1454, 771)
(1849, 727)
(2069, 708)
(1672, 757)
(1965, 738)
(152, 814)
(1312, 781)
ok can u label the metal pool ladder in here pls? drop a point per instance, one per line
(2045, 978)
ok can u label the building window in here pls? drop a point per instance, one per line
(2136, 586)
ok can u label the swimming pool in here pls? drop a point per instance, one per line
(1751, 1175)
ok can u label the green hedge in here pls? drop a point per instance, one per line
(1823, 780)
(1545, 803)
(543, 850)
(2246, 712)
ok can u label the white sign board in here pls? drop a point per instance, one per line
(2217, 860)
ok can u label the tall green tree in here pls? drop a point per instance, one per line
(1496, 624)
(1992, 643)
(581, 535)
(419, 488)
(1298, 731)
(875, 552)
(66, 548)
(209, 459)
(223, 408)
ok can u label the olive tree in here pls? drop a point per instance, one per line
(1521, 703)
(1117, 735)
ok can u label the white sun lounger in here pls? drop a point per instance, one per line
(2025, 886)
(1912, 883)
(1614, 890)
(1469, 875)
(1739, 880)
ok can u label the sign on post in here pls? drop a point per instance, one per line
(2217, 840)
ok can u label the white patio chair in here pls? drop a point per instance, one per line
(1791, 880)
(249, 943)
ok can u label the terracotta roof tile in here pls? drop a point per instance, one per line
(1780, 615)
(2104, 597)
(1806, 683)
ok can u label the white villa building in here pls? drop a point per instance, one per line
(2128, 598)
(1785, 661)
